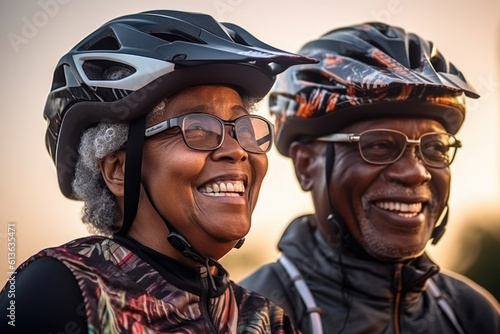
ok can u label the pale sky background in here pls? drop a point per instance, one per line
(35, 34)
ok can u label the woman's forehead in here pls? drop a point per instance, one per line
(212, 99)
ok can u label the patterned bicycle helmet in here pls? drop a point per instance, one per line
(366, 70)
(127, 66)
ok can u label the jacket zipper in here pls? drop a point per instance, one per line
(204, 300)
(397, 298)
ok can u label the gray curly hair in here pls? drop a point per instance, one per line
(101, 212)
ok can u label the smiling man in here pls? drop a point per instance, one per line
(371, 132)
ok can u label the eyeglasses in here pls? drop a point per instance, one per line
(383, 147)
(205, 132)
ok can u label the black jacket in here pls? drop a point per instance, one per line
(359, 296)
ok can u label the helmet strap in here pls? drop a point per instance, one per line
(182, 245)
(133, 181)
(344, 240)
(239, 243)
(440, 226)
(133, 166)
(339, 228)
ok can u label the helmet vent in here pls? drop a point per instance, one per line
(59, 78)
(315, 77)
(384, 29)
(236, 37)
(107, 43)
(169, 37)
(106, 70)
(454, 70)
(414, 54)
(369, 61)
(439, 63)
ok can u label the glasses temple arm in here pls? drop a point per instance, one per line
(264, 139)
(339, 137)
(162, 126)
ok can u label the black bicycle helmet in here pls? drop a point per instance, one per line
(155, 54)
(366, 70)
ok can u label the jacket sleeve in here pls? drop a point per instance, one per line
(476, 309)
(272, 281)
(258, 312)
(44, 297)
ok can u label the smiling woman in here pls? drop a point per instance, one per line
(216, 223)
(169, 164)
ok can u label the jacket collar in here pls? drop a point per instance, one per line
(306, 246)
(179, 274)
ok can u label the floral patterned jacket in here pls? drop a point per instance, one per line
(123, 293)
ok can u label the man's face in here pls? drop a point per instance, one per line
(392, 209)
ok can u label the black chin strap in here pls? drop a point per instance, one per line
(439, 230)
(344, 240)
(342, 234)
(240, 243)
(133, 181)
(339, 229)
(181, 244)
(133, 166)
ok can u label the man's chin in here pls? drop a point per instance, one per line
(389, 253)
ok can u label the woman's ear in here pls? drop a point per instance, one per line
(113, 172)
(304, 159)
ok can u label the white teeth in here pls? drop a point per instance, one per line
(233, 188)
(407, 210)
(239, 187)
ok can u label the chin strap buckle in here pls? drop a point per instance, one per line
(182, 245)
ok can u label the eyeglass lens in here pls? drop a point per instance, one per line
(206, 132)
(384, 147)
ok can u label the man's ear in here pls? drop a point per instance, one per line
(304, 159)
(113, 172)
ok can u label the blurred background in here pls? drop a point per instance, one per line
(34, 34)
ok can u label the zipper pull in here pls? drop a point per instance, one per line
(397, 284)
